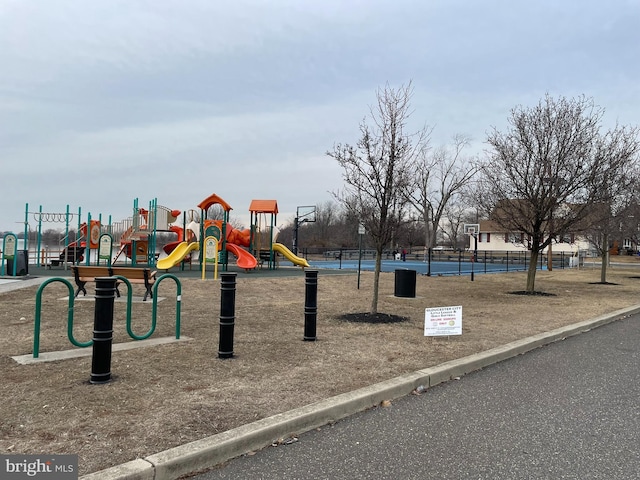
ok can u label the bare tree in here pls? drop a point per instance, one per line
(456, 214)
(325, 218)
(598, 234)
(378, 169)
(609, 221)
(438, 178)
(630, 222)
(545, 174)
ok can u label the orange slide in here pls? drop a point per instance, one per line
(244, 259)
(236, 239)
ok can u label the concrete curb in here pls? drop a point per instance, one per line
(211, 451)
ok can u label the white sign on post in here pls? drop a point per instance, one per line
(104, 247)
(443, 321)
(10, 246)
(211, 248)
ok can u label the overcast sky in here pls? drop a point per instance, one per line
(105, 101)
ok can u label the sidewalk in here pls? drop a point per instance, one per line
(8, 284)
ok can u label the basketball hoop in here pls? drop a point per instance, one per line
(471, 229)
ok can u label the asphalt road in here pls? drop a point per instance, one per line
(570, 410)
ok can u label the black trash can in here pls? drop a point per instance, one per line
(22, 262)
(405, 283)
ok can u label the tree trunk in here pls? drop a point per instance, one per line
(376, 283)
(531, 272)
(605, 258)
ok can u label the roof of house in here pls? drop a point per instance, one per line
(490, 226)
(505, 212)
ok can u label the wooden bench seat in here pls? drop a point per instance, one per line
(84, 274)
(72, 254)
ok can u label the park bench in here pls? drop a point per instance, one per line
(72, 254)
(265, 256)
(85, 273)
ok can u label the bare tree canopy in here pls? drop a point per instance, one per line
(440, 176)
(378, 169)
(545, 174)
(615, 219)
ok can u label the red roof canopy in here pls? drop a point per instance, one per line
(214, 199)
(264, 206)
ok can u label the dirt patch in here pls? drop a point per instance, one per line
(534, 293)
(167, 395)
(365, 317)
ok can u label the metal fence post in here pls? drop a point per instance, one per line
(103, 330)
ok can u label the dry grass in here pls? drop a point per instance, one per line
(167, 395)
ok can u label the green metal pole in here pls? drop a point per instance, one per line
(78, 233)
(87, 241)
(39, 242)
(26, 227)
(136, 227)
(151, 248)
(272, 255)
(66, 239)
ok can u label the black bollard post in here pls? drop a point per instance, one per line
(227, 314)
(103, 330)
(310, 305)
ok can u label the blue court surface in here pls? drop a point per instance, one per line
(437, 268)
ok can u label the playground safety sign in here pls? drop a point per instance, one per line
(443, 321)
(105, 248)
(10, 246)
(210, 255)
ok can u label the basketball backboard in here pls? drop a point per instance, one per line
(306, 214)
(471, 229)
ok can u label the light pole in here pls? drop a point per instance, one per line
(475, 252)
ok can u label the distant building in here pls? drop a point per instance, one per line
(493, 237)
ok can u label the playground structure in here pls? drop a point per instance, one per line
(138, 234)
(251, 247)
(67, 250)
(137, 242)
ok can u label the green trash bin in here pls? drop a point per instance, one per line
(21, 261)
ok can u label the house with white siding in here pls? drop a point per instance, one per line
(493, 237)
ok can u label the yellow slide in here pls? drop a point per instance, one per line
(289, 255)
(182, 250)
